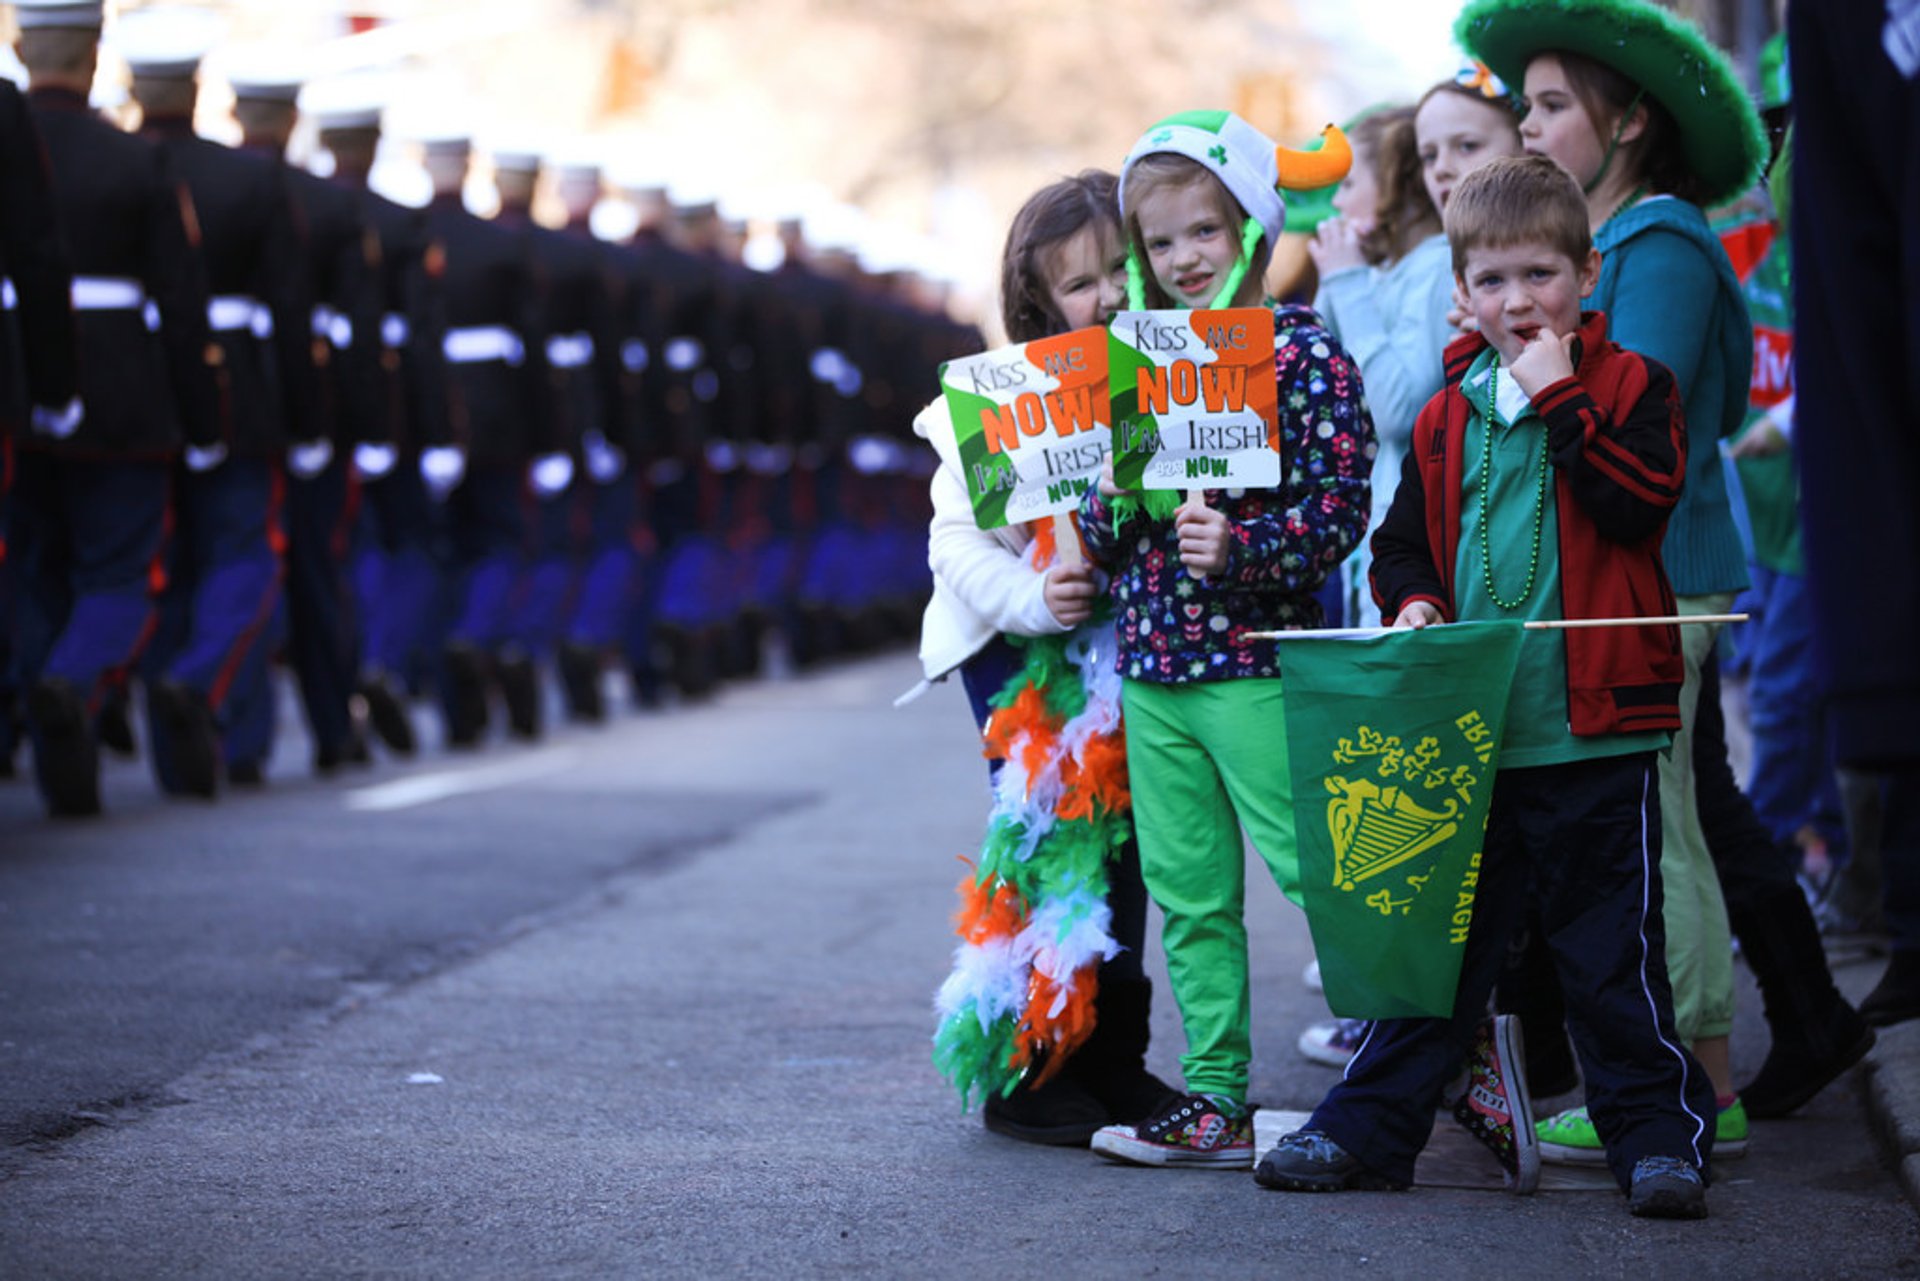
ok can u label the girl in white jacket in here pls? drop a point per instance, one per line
(1064, 268)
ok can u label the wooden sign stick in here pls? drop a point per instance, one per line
(1066, 541)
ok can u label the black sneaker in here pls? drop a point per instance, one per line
(1666, 1187)
(1192, 1129)
(1309, 1161)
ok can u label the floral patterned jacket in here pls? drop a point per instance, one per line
(1175, 628)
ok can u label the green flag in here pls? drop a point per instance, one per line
(1393, 741)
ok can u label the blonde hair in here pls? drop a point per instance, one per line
(1169, 171)
(1518, 200)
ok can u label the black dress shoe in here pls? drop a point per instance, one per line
(247, 774)
(520, 689)
(466, 698)
(580, 677)
(113, 726)
(65, 762)
(387, 713)
(183, 719)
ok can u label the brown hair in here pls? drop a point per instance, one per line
(1052, 215)
(1518, 200)
(1658, 157)
(1405, 214)
(1162, 170)
(164, 96)
(60, 51)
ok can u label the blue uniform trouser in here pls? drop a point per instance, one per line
(1580, 843)
(319, 606)
(607, 595)
(542, 600)
(87, 542)
(397, 581)
(223, 590)
(487, 528)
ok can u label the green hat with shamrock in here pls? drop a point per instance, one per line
(1248, 163)
(1666, 56)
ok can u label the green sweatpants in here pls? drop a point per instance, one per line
(1206, 760)
(1699, 942)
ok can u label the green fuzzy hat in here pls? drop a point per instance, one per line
(1662, 53)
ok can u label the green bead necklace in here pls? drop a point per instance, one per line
(1486, 488)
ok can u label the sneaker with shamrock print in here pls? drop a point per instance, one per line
(1191, 1129)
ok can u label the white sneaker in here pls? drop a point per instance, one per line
(1333, 1042)
(1311, 976)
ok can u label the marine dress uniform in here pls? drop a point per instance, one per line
(208, 658)
(342, 266)
(37, 340)
(90, 504)
(496, 355)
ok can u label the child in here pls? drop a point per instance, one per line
(1538, 487)
(1063, 269)
(1397, 322)
(1655, 125)
(1384, 290)
(1202, 701)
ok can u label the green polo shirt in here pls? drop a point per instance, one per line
(1508, 477)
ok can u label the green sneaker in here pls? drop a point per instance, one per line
(1730, 1130)
(1570, 1139)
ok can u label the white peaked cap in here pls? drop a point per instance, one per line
(166, 42)
(266, 73)
(352, 101)
(32, 14)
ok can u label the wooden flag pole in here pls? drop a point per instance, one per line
(1550, 624)
(1066, 541)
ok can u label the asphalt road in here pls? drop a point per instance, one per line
(655, 1001)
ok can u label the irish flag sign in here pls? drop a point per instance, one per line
(1032, 423)
(1393, 741)
(1195, 404)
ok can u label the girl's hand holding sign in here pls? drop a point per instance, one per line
(1203, 538)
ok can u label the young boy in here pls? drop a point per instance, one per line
(1538, 487)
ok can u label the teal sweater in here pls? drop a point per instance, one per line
(1670, 294)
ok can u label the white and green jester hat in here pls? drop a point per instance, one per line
(1252, 168)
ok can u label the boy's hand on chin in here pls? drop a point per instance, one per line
(1203, 539)
(1546, 359)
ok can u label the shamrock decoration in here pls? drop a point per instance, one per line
(1164, 136)
(1218, 152)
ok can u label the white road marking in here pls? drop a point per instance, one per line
(423, 789)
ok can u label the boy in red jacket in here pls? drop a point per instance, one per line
(1538, 488)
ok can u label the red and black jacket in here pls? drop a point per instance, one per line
(1618, 446)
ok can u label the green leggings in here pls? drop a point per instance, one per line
(1206, 760)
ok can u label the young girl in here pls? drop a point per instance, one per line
(1395, 319)
(1202, 700)
(1653, 123)
(1384, 289)
(1063, 269)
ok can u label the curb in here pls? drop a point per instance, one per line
(1892, 1094)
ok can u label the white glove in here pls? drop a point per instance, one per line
(58, 421)
(309, 460)
(442, 467)
(374, 461)
(551, 473)
(205, 458)
(605, 462)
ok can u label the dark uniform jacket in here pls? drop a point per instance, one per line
(413, 324)
(37, 338)
(343, 274)
(148, 373)
(259, 305)
(580, 335)
(496, 338)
